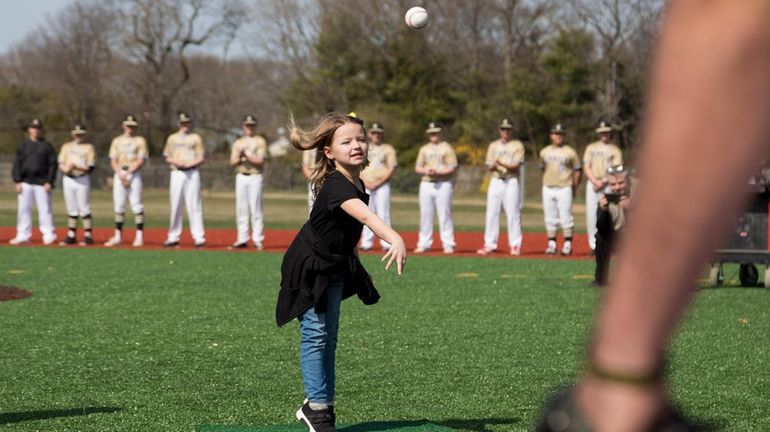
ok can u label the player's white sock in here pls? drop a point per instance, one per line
(317, 406)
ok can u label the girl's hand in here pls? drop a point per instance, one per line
(397, 253)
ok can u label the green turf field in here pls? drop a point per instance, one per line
(282, 211)
(125, 340)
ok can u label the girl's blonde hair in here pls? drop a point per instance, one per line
(317, 138)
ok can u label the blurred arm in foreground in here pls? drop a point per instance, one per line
(706, 125)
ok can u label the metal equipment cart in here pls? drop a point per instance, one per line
(747, 242)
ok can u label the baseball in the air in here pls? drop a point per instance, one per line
(416, 17)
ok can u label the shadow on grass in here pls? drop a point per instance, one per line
(465, 425)
(473, 425)
(8, 418)
(478, 425)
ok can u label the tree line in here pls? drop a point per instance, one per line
(535, 61)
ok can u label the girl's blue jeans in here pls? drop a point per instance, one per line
(318, 346)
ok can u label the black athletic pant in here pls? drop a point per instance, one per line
(605, 238)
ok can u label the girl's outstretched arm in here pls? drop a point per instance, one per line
(361, 212)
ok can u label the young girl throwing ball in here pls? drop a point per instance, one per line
(321, 267)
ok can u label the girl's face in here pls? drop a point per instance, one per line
(348, 148)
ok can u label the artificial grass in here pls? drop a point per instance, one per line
(405, 426)
(126, 340)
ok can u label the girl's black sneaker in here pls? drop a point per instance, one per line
(317, 420)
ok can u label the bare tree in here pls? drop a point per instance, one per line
(160, 34)
(614, 22)
(522, 27)
(285, 31)
(70, 58)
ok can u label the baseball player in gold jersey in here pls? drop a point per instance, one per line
(184, 154)
(598, 157)
(248, 158)
(504, 157)
(561, 176)
(76, 161)
(376, 177)
(128, 154)
(436, 162)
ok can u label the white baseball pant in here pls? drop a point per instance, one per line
(379, 204)
(592, 205)
(436, 196)
(185, 191)
(557, 208)
(133, 192)
(248, 206)
(34, 195)
(522, 185)
(310, 198)
(77, 195)
(505, 193)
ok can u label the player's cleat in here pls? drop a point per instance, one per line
(138, 241)
(68, 241)
(199, 245)
(551, 249)
(113, 241)
(516, 251)
(592, 253)
(18, 241)
(317, 420)
(449, 250)
(259, 246)
(485, 251)
(169, 243)
(420, 250)
(87, 241)
(561, 414)
(595, 284)
(364, 248)
(237, 246)
(566, 249)
(49, 241)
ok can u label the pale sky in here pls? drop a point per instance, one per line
(20, 17)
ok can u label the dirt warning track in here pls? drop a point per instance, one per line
(278, 240)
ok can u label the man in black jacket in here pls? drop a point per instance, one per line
(34, 173)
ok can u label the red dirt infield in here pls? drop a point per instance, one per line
(278, 240)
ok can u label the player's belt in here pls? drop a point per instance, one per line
(186, 169)
(124, 167)
(75, 176)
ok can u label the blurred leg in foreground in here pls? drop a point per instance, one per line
(707, 123)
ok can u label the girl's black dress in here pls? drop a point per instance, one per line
(325, 245)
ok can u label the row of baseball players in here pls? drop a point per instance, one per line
(34, 172)
(35, 166)
(437, 162)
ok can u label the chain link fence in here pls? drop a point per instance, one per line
(285, 174)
